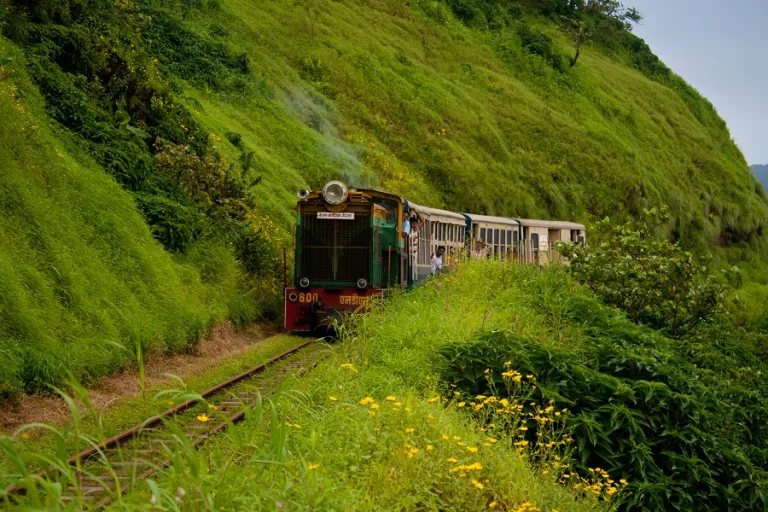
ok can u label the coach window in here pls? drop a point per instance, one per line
(535, 246)
(482, 234)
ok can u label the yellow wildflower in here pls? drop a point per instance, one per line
(409, 430)
(472, 449)
(477, 484)
(433, 399)
(202, 418)
(332, 398)
(453, 460)
(367, 400)
(313, 467)
(212, 407)
(391, 398)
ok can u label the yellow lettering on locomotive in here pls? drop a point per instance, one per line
(353, 300)
(309, 297)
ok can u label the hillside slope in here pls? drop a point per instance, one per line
(412, 100)
(82, 281)
(210, 114)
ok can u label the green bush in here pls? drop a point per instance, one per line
(681, 434)
(653, 281)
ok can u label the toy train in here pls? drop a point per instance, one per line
(353, 244)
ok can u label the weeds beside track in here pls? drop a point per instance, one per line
(105, 471)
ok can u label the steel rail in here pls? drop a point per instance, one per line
(115, 441)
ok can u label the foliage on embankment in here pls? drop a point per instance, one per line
(682, 420)
(82, 282)
(211, 114)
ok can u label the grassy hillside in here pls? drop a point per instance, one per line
(473, 110)
(211, 113)
(82, 281)
(412, 100)
(516, 378)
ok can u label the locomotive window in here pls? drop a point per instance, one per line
(482, 233)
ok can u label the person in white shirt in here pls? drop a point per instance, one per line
(437, 260)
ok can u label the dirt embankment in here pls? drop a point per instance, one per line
(222, 343)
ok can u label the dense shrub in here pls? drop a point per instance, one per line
(684, 435)
(653, 281)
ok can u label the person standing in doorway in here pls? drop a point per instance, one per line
(437, 260)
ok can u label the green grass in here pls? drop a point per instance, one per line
(323, 449)
(321, 444)
(315, 446)
(132, 411)
(83, 283)
(466, 119)
(405, 98)
(431, 338)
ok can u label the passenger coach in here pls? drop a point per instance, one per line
(352, 244)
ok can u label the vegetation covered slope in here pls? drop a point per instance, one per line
(469, 105)
(487, 119)
(82, 282)
(211, 113)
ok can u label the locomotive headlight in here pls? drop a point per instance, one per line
(335, 192)
(293, 297)
(362, 283)
(304, 282)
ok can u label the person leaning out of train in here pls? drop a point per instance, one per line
(437, 261)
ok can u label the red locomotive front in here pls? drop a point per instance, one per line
(305, 310)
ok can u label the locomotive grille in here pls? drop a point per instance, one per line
(335, 251)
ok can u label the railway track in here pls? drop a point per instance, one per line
(112, 468)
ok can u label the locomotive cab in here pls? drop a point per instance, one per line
(348, 251)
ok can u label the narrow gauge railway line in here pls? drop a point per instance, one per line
(115, 466)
